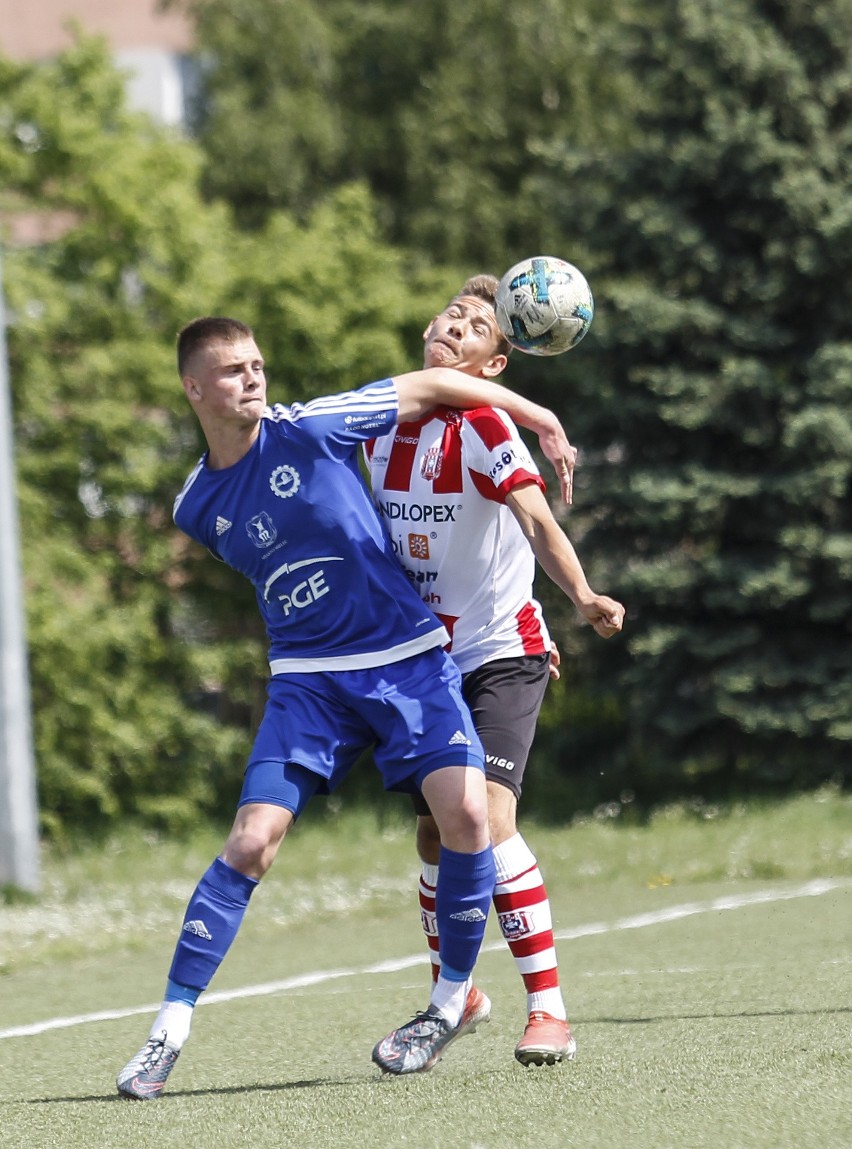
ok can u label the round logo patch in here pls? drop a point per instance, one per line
(285, 481)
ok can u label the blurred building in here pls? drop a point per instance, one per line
(153, 47)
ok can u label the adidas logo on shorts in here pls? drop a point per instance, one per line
(458, 739)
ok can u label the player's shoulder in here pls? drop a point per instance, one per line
(372, 396)
(491, 424)
(277, 413)
(189, 483)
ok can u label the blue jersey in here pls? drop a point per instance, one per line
(295, 517)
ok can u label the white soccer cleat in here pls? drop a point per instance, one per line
(145, 1074)
(420, 1043)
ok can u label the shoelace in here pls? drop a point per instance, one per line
(421, 1018)
(155, 1054)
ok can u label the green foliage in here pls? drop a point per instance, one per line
(355, 161)
(99, 443)
(271, 121)
(441, 108)
(339, 302)
(474, 132)
(718, 389)
(147, 658)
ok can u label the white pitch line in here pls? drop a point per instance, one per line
(675, 913)
(637, 921)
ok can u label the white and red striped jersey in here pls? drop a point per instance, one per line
(440, 485)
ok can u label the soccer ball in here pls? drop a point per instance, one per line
(544, 305)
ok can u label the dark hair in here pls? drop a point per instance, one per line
(484, 287)
(206, 329)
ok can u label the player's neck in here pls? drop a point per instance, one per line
(227, 445)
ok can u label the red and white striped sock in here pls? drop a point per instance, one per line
(523, 911)
(428, 885)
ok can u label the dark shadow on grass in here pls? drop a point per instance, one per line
(276, 1087)
(576, 1022)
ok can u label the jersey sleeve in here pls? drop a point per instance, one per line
(497, 457)
(339, 423)
(183, 511)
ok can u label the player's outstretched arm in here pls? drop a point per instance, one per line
(420, 391)
(558, 559)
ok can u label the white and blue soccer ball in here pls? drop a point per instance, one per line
(544, 305)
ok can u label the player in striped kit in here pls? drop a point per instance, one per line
(463, 502)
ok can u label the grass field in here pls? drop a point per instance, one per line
(705, 957)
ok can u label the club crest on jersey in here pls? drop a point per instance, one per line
(515, 924)
(261, 530)
(430, 468)
(285, 481)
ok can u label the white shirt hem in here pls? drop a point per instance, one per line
(363, 661)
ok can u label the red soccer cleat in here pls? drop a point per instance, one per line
(546, 1040)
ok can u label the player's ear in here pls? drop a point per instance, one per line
(428, 330)
(190, 387)
(496, 365)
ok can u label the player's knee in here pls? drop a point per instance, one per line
(254, 840)
(459, 804)
(467, 826)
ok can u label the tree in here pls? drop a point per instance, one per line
(718, 387)
(269, 118)
(146, 657)
(92, 315)
(440, 108)
(505, 84)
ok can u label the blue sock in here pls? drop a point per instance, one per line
(213, 916)
(462, 899)
(184, 993)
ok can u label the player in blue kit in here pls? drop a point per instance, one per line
(355, 659)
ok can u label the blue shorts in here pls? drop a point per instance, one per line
(316, 726)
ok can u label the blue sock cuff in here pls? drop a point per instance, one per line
(184, 993)
(481, 864)
(230, 881)
(453, 974)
